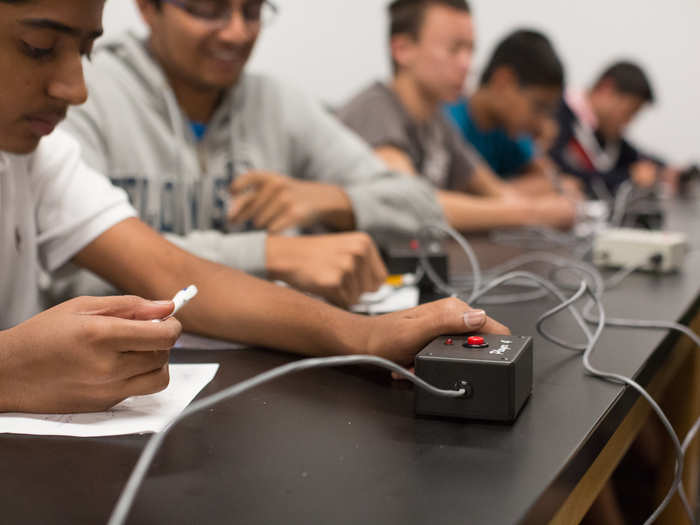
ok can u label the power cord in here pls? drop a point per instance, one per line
(126, 499)
(595, 291)
(477, 292)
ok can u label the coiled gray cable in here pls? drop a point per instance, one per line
(595, 291)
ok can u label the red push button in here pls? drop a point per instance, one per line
(449, 341)
(415, 245)
(476, 342)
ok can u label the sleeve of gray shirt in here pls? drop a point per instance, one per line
(243, 251)
(385, 203)
(376, 117)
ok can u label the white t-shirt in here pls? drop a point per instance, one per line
(51, 206)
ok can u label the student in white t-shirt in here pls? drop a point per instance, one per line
(89, 353)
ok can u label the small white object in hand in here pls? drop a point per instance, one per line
(181, 298)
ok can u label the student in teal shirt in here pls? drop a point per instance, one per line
(506, 156)
(517, 98)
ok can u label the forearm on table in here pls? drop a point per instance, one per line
(6, 369)
(235, 306)
(230, 305)
(533, 183)
(486, 183)
(469, 213)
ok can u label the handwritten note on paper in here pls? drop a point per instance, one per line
(135, 415)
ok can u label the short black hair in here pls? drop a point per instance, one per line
(532, 58)
(406, 17)
(630, 79)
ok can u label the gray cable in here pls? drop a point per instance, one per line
(430, 271)
(551, 288)
(625, 199)
(126, 500)
(601, 189)
(595, 292)
(676, 486)
(565, 304)
(541, 257)
(620, 204)
(534, 235)
(584, 288)
(639, 323)
(127, 497)
(690, 436)
(616, 280)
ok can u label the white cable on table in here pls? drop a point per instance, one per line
(462, 242)
(126, 500)
(680, 455)
(584, 288)
(478, 291)
(595, 293)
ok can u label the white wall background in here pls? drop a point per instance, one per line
(334, 47)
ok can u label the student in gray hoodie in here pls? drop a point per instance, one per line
(90, 353)
(175, 121)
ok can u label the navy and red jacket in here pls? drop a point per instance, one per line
(573, 158)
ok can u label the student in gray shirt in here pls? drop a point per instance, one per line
(176, 121)
(433, 145)
(90, 353)
(431, 45)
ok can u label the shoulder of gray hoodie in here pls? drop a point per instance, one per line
(133, 130)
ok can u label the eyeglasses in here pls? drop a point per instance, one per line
(218, 13)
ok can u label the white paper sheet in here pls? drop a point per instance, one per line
(135, 415)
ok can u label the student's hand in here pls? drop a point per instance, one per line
(644, 173)
(338, 267)
(671, 176)
(86, 355)
(399, 336)
(556, 211)
(572, 187)
(276, 203)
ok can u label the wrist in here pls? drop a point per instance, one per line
(535, 215)
(554, 212)
(335, 208)
(7, 392)
(279, 256)
(524, 211)
(354, 335)
(333, 199)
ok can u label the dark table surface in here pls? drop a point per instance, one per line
(343, 445)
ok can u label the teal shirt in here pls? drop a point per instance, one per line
(507, 157)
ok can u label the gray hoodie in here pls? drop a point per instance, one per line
(133, 130)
